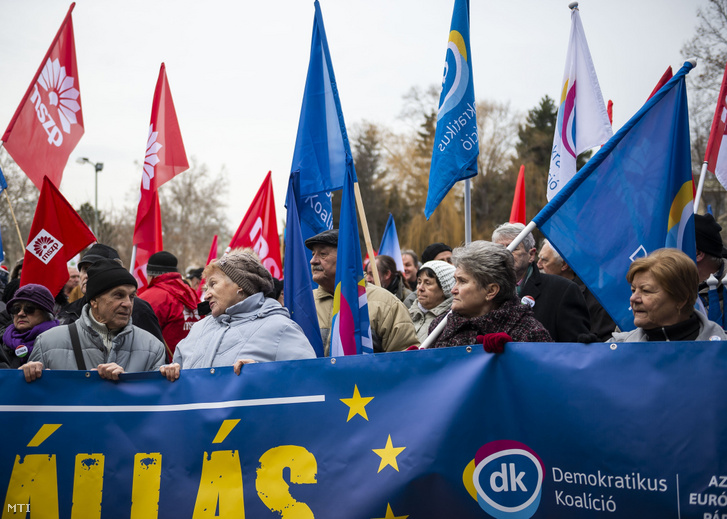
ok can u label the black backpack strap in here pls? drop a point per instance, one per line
(76, 343)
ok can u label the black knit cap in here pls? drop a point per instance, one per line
(707, 230)
(329, 237)
(161, 263)
(98, 251)
(432, 250)
(105, 275)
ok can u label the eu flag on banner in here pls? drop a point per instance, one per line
(321, 146)
(297, 282)
(390, 243)
(455, 141)
(350, 328)
(633, 197)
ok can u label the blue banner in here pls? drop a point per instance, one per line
(542, 430)
(633, 197)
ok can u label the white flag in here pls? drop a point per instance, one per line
(582, 116)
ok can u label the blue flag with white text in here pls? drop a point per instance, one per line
(456, 145)
(321, 146)
(297, 282)
(350, 328)
(390, 243)
(634, 196)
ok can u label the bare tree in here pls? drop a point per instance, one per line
(192, 213)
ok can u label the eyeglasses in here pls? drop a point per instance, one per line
(28, 308)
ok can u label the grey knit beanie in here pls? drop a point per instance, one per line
(444, 272)
(244, 268)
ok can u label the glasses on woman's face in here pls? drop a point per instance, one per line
(28, 308)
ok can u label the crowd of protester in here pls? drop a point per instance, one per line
(477, 293)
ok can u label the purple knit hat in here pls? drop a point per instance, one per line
(33, 293)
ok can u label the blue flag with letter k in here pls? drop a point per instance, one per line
(456, 145)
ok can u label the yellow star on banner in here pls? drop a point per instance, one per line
(388, 455)
(390, 514)
(357, 404)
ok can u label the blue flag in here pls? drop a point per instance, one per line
(297, 282)
(390, 243)
(321, 146)
(455, 141)
(633, 197)
(350, 328)
(3, 182)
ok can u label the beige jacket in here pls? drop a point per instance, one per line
(391, 326)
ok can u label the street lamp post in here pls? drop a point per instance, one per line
(97, 166)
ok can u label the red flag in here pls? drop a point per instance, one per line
(165, 158)
(517, 214)
(56, 236)
(662, 81)
(48, 122)
(259, 229)
(211, 256)
(716, 155)
(609, 111)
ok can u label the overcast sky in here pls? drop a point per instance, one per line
(237, 70)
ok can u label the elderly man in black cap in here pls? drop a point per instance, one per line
(174, 302)
(391, 327)
(710, 253)
(103, 338)
(142, 314)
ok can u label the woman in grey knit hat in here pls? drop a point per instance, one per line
(245, 324)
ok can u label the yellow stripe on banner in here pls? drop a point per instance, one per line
(225, 429)
(88, 486)
(145, 486)
(43, 434)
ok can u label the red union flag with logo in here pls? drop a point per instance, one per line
(48, 122)
(716, 155)
(57, 235)
(259, 229)
(165, 158)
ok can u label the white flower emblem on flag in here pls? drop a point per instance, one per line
(61, 92)
(44, 246)
(151, 159)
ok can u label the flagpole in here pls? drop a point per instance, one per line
(700, 188)
(467, 213)
(17, 227)
(367, 237)
(133, 259)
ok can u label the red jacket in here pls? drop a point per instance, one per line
(175, 305)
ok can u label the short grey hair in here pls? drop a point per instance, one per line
(487, 263)
(556, 256)
(510, 231)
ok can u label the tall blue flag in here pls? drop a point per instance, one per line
(297, 282)
(350, 327)
(390, 243)
(633, 197)
(321, 146)
(455, 142)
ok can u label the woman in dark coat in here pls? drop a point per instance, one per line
(484, 299)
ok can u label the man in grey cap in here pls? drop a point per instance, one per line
(143, 315)
(391, 327)
(103, 339)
